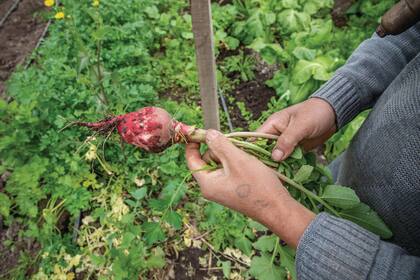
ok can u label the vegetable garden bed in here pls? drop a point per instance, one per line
(95, 209)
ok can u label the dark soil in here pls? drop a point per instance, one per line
(4, 7)
(339, 10)
(12, 246)
(187, 266)
(19, 35)
(254, 94)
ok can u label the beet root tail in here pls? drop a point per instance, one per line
(103, 126)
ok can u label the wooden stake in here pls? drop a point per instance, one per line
(203, 37)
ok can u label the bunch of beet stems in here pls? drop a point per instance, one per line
(153, 130)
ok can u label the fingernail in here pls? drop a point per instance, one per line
(211, 135)
(277, 155)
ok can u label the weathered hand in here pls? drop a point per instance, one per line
(309, 123)
(248, 186)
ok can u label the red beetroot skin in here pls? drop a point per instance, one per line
(150, 128)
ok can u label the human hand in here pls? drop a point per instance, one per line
(246, 185)
(309, 123)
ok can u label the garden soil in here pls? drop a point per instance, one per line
(254, 94)
(19, 35)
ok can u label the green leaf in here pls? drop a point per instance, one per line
(272, 53)
(312, 6)
(367, 218)
(243, 244)
(98, 260)
(5, 204)
(290, 4)
(127, 239)
(153, 233)
(130, 202)
(174, 219)
(139, 193)
(263, 269)
(291, 20)
(24, 185)
(287, 260)
(303, 173)
(231, 42)
(304, 53)
(187, 35)
(152, 12)
(157, 260)
(174, 191)
(159, 204)
(317, 68)
(265, 243)
(255, 225)
(169, 168)
(297, 153)
(300, 92)
(325, 171)
(226, 267)
(339, 196)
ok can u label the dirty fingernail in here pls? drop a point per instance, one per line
(277, 155)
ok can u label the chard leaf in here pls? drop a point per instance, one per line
(367, 218)
(339, 196)
(303, 173)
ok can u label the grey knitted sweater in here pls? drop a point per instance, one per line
(382, 164)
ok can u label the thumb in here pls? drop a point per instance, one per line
(286, 143)
(220, 146)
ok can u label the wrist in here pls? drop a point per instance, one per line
(289, 220)
(324, 110)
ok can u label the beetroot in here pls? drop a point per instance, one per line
(150, 128)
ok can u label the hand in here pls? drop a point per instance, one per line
(246, 185)
(310, 123)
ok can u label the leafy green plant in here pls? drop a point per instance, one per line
(241, 64)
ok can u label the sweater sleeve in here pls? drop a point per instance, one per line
(333, 248)
(367, 73)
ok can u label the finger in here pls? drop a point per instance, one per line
(316, 141)
(221, 147)
(275, 124)
(209, 157)
(287, 142)
(195, 162)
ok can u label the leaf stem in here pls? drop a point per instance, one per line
(250, 146)
(248, 134)
(306, 191)
(273, 256)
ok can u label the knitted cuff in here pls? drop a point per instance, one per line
(333, 248)
(341, 93)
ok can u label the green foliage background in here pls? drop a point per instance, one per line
(123, 55)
